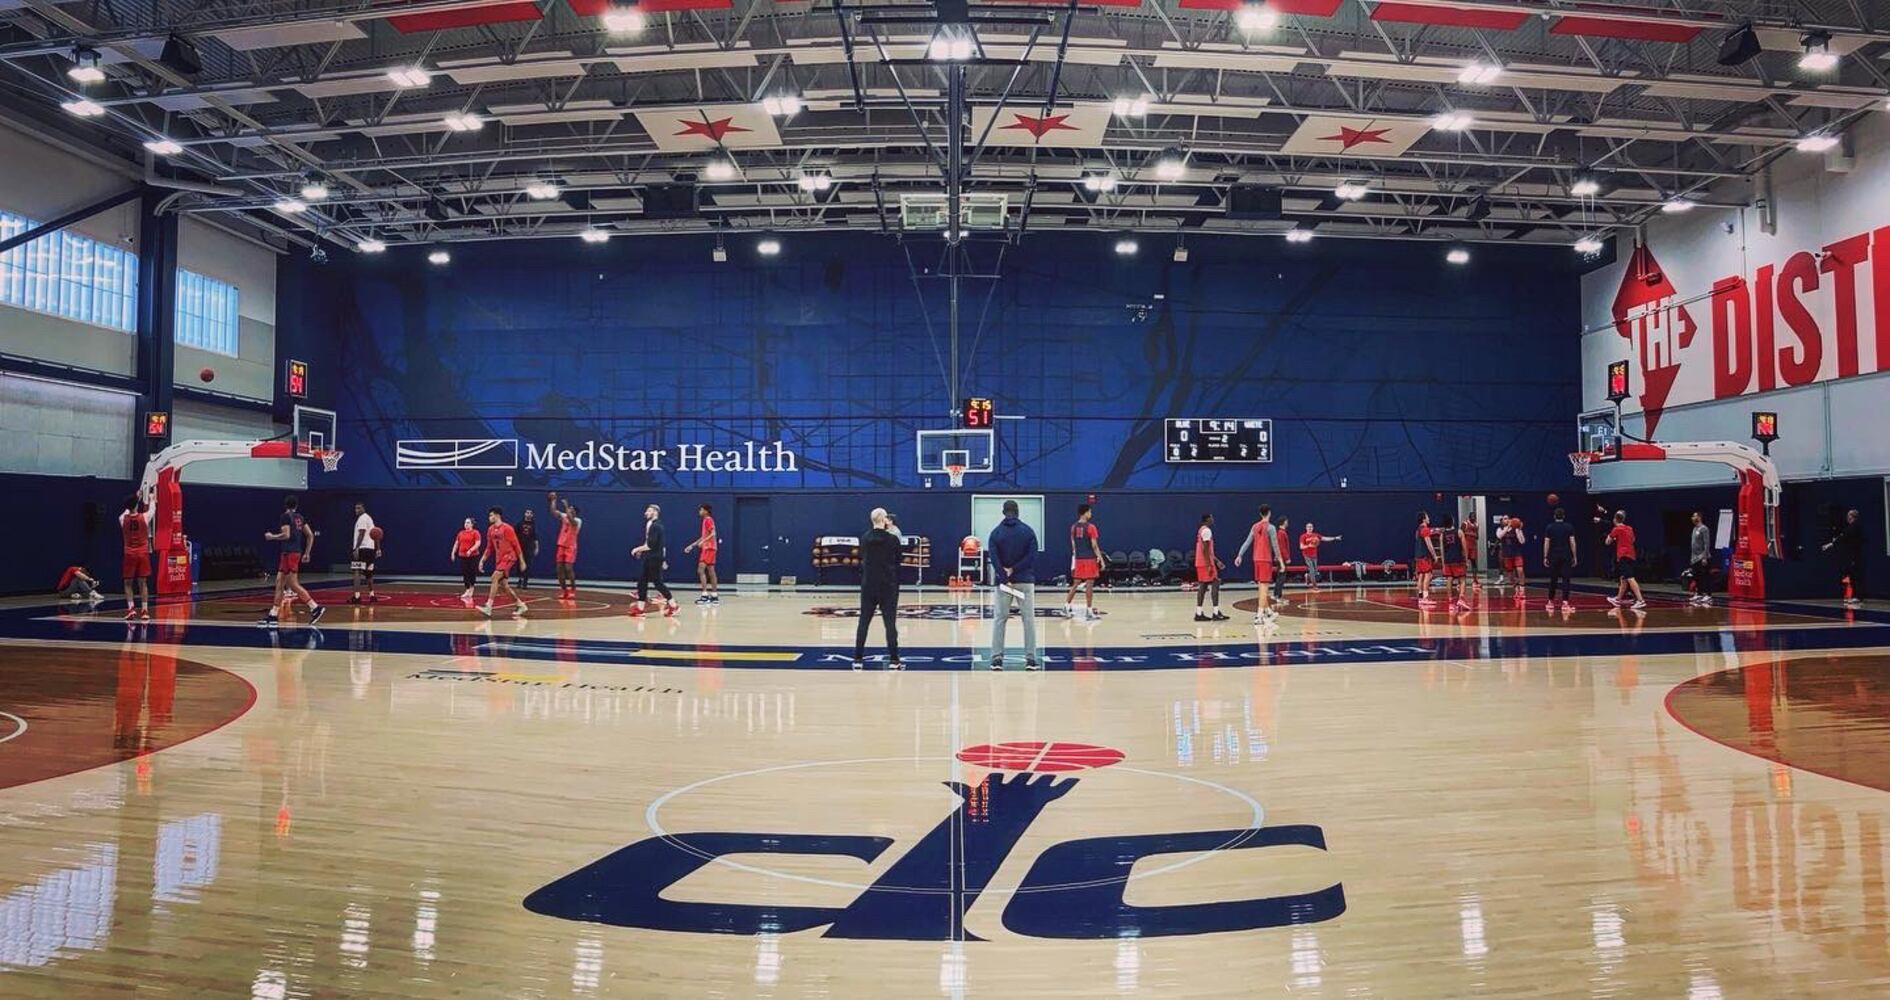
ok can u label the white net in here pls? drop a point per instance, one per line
(1579, 460)
(956, 473)
(331, 460)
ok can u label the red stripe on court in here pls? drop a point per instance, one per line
(1040, 757)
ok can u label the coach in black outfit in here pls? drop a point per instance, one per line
(652, 553)
(879, 586)
(1848, 540)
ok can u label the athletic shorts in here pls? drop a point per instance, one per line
(364, 558)
(1421, 565)
(567, 555)
(1452, 569)
(289, 562)
(705, 557)
(1206, 574)
(504, 567)
(1624, 569)
(1263, 572)
(1085, 569)
(137, 565)
(1513, 563)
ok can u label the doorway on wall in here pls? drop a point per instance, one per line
(987, 509)
(754, 540)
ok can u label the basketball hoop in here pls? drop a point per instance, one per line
(1580, 459)
(331, 459)
(957, 474)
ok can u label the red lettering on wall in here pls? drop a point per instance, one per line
(1766, 349)
(1840, 262)
(1880, 293)
(1732, 338)
(1799, 364)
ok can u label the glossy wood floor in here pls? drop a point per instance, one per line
(1363, 803)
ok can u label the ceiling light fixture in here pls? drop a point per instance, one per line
(1132, 107)
(1452, 121)
(1586, 185)
(1298, 235)
(83, 108)
(1126, 246)
(85, 68)
(815, 182)
(785, 105)
(950, 48)
(719, 170)
(769, 247)
(592, 234)
(463, 121)
(1351, 190)
(291, 206)
(1255, 18)
(1099, 182)
(164, 147)
(314, 189)
(1818, 57)
(541, 190)
(409, 76)
(625, 21)
(1817, 142)
(1479, 74)
(1457, 255)
(439, 257)
(1171, 165)
(1588, 246)
(1677, 204)
(371, 245)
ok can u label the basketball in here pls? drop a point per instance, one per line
(1555, 498)
(970, 545)
(375, 533)
(208, 374)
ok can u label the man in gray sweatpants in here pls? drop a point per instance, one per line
(1013, 551)
(1701, 559)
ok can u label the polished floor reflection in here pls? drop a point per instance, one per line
(718, 806)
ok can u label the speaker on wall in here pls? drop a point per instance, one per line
(1251, 201)
(669, 201)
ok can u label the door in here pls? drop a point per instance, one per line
(754, 536)
(987, 509)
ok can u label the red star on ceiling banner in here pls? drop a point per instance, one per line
(1078, 127)
(1330, 134)
(714, 130)
(701, 128)
(1040, 127)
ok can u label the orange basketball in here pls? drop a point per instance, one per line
(1554, 498)
(970, 545)
(208, 374)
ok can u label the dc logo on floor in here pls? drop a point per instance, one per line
(1073, 890)
(934, 612)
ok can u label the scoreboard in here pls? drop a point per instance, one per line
(1211, 440)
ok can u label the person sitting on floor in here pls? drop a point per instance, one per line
(78, 585)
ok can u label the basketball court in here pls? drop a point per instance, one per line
(484, 450)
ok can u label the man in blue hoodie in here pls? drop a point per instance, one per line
(1013, 552)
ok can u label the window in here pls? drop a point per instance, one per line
(80, 278)
(206, 313)
(65, 274)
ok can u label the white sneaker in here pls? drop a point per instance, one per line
(518, 611)
(485, 609)
(467, 596)
(1638, 605)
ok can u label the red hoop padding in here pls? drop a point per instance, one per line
(272, 449)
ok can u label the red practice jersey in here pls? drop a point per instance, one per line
(1623, 538)
(707, 535)
(502, 542)
(137, 532)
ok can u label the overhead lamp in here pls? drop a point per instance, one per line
(314, 189)
(1479, 74)
(1172, 164)
(1585, 185)
(719, 169)
(719, 253)
(1677, 204)
(164, 147)
(769, 247)
(1099, 182)
(1299, 235)
(1126, 246)
(1452, 121)
(1818, 57)
(815, 182)
(1817, 142)
(371, 245)
(85, 68)
(1457, 255)
(1254, 18)
(1132, 107)
(541, 190)
(1351, 190)
(463, 121)
(291, 206)
(409, 76)
(950, 47)
(83, 108)
(784, 105)
(439, 257)
(1588, 246)
(625, 21)
(592, 234)
(1181, 253)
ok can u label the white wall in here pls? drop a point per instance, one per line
(197, 421)
(1797, 299)
(53, 428)
(251, 267)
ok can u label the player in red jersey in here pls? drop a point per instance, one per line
(1509, 547)
(1424, 560)
(705, 563)
(1086, 563)
(569, 524)
(1622, 538)
(1207, 571)
(1309, 542)
(1472, 537)
(1268, 559)
(135, 525)
(1456, 583)
(502, 546)
(298, 543)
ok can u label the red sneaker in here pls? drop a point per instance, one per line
(669, 610)
(636, 611)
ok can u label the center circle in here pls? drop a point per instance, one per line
(1257, 819)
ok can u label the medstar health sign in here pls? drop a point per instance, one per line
(1072, 890)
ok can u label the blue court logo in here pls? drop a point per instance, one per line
(1073, 890)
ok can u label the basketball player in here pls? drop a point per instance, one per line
(1559, 557)
(1622, 538)
(1285, 540)
(527, 529)
(1267, 557)
(1456, 585)
(705, 563)
(466, 547)
(1509, 548)
(1700, 561)
(1309, 551)
(298, 543)
(502, 546)
(1472, 537)
(879, 587)
(1424, 560)
(1086, 563)
(569, 524)
(1207, 571)
(135, 525)
(651, 552)
(366, 548)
